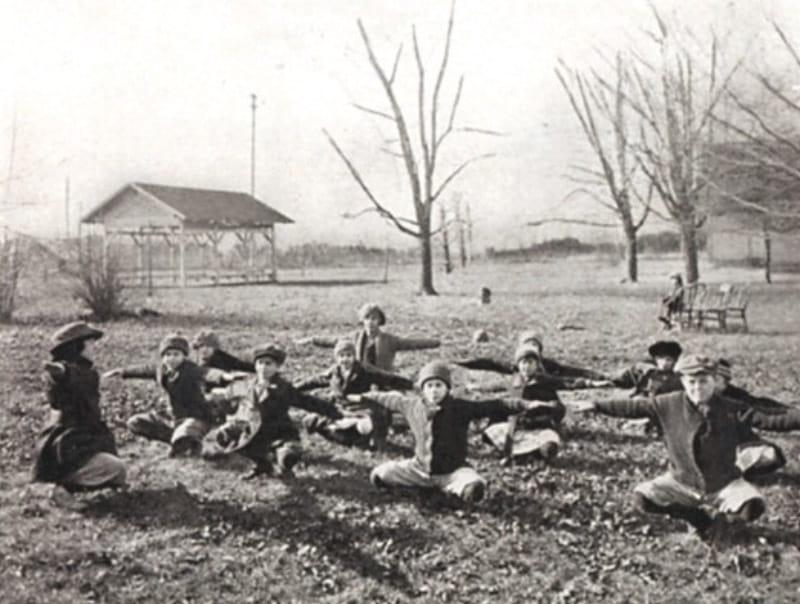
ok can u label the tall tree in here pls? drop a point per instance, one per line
(597, 108)
(420, 163)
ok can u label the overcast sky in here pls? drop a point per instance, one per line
(152, 91)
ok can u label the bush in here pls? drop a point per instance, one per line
(10, 269)
(100, 288)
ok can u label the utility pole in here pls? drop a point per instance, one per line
(66, 208)
(253, 103)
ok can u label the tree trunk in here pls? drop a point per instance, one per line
(689, 250)
(448, 266)
(631, 253)
(767, 256)
(426, 258)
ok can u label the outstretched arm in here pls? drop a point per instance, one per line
(394, 401)
(416, 343)
(388, 380)
(321, 380)
(487, 364)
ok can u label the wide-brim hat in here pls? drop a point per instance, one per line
(665, 348)
(435, 370)
(174, 341)
(695, 364)
(269, 351)
(371, 308)
(206, 337)
(74, 332)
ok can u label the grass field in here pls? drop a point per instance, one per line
(190, 531)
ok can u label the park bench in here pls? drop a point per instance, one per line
(693, 296)
(719, 306)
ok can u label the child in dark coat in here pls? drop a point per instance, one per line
(702, 431)
(261, 429)
(77, 450)
(362, 426)
(439, 423)
(184, 382)
(208, 348)
(672, 303)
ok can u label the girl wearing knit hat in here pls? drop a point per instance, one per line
(439, 423)
(374, 346)
(361, 426)
(190, 415)
(76, 451)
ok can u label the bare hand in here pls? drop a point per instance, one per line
(113, 373)
(582, 406)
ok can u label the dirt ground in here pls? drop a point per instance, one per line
(191, 531)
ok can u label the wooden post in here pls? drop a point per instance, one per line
(182, 257)
(149, 243)
(140, 276)
(273, 258)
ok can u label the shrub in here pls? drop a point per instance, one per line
(100, 287)
(10, 269)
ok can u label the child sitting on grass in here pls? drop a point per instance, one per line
(656, 375)
(533, 433)
(362, 426)
(208, 348)
(77, 450)
(439, 423)
(261, 429)
(702, 431)
(184, 382)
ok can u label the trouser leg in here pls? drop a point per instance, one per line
(151, 426)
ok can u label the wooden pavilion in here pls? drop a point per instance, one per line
(179, 216)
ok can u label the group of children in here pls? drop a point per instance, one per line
(221, 405)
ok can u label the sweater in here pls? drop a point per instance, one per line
(185, 387)
(77, 431)
(701, 443)
(440, 433)
(387, 345)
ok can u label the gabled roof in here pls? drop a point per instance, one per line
(201, 207)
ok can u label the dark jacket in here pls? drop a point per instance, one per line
(361, 379)
(646, 379)
(220, 359)
(386, 346)
(185, 387)
(77, 431)
(701, 448)
(760, 403)
(569, 375)
(440, 434)
(262, 416)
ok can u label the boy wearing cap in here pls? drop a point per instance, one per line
(439, 423)
(362, 425)
(77, 450)
(702, 431)
(184, 382)
(375, 347)
(571, 376)
(654, 376)
(208, 349)
(261, 429)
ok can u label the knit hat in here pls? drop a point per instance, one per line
(526, 350)
(72, 332)
(695, 364)
(270, 351)
(206, 337)
(372, 308)
(434, 369)
(344, 346)
(531, 337)
(724, 368)
(174, 341)
(665, 348)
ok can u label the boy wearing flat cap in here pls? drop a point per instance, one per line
(439, 423)
(702, 431)
(77, 451)
(184, 383)
(261, 429)
(375, 347)
(361, 425)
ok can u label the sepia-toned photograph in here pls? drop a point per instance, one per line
(361, 301)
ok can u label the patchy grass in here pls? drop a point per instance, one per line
(192, 531)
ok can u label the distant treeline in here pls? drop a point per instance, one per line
(325, 254)
(664, 242)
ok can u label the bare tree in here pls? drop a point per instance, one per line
(420, 164)
(755, 175)
(598, 105)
